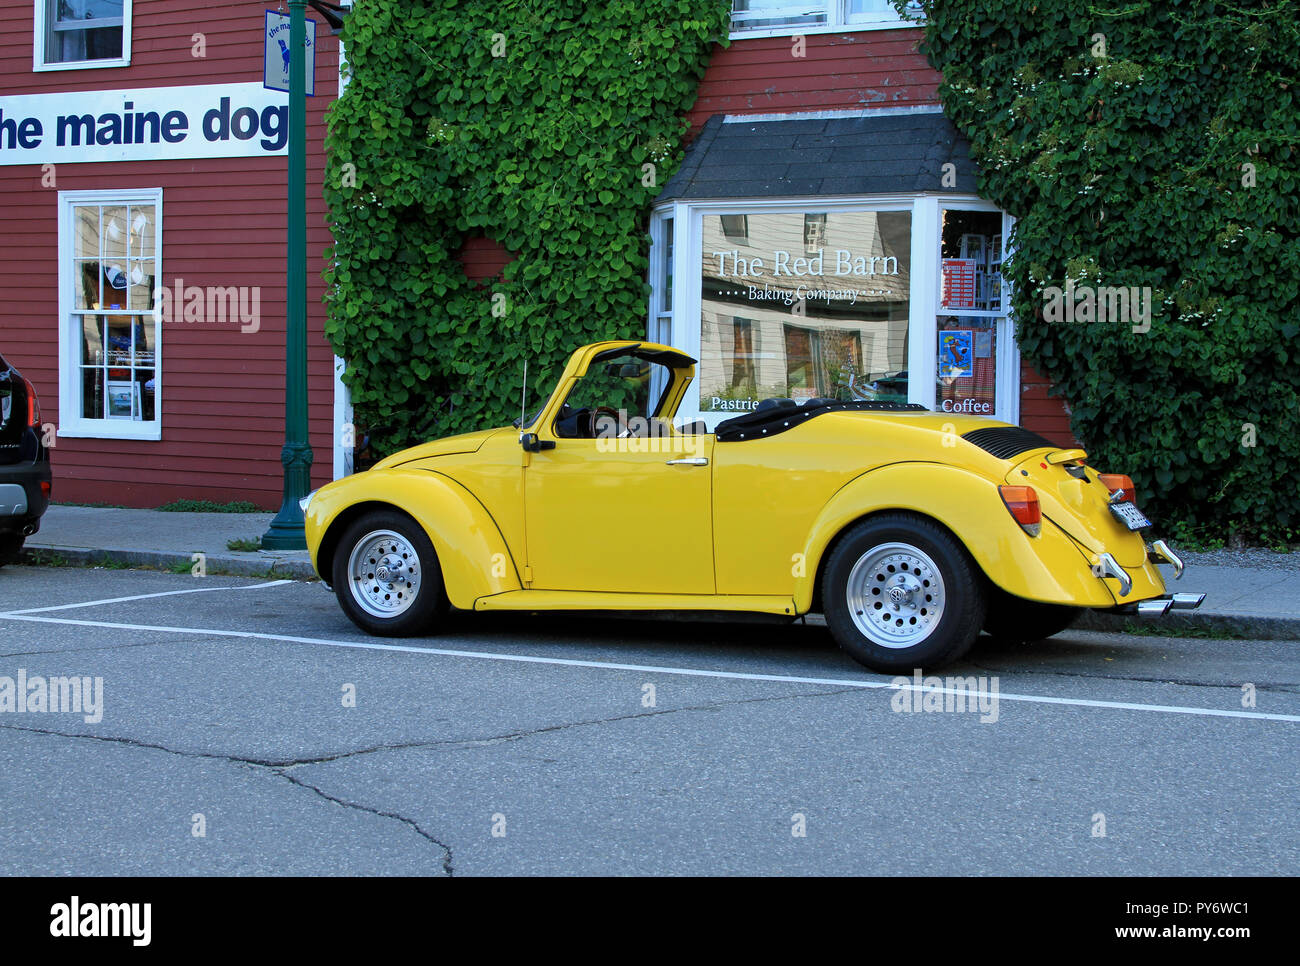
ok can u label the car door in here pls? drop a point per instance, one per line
(600, 519)
(615, 501)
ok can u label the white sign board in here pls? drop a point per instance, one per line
(145, 124)
(275, 69)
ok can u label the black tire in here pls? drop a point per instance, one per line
(394, 539)
(11, 547)
(911, 636)
(1014, 620)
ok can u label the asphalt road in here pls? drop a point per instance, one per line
(532, 745)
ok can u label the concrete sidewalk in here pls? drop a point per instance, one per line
(1254, 593)
(92, 535)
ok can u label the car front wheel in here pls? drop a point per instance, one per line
(386, 575)
(901, 593)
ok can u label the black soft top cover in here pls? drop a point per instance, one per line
(785, 414)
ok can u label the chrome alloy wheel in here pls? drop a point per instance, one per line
(895, 595)
(384, 573)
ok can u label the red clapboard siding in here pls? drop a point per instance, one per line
(839, 71)
(483, 259)
(1040, 413)
(224, 224)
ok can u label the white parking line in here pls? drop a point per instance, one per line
(652, 668)
(119, 600)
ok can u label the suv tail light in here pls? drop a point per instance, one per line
(1118, 483)
(1022, 504)
(33, 407)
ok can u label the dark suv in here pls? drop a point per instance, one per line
(24, 463)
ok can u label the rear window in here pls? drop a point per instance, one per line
(13, 414)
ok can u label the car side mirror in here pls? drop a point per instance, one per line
(532, 444)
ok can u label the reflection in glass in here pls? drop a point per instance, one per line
(808, 305)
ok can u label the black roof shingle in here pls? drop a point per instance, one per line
(800, 156)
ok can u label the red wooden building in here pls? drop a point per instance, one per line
(157, 182)
(142, 186)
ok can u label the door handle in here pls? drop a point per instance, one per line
(689, 461)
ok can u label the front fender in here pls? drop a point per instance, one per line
(1049, 567)
(472, 553)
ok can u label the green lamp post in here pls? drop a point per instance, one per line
(286, 530)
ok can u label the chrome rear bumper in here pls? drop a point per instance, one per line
(1159, 552)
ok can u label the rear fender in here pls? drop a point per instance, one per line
(1050, 567)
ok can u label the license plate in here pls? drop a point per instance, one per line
(1130, 516)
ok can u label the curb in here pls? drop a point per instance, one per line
(1248, 626)
(250, 565)
(1241, 625)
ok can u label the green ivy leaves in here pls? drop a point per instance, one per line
(527, 123)
(1134, 164)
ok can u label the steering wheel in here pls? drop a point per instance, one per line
(593, 431)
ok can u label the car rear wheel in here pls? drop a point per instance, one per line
(11, 547)
(1015, 620)
(386, 575)
(901, 593)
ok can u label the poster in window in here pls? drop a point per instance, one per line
(959, 283)
(956, 351)
(123, 400)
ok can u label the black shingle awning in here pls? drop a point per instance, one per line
(834, 156)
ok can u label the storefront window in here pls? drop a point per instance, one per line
(110, 271)
(971, 307)
(804, 305)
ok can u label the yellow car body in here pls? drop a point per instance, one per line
(528, 519)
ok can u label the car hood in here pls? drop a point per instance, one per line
(464, 443)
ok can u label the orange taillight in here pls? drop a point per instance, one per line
(1118, 481)
(1022, 504)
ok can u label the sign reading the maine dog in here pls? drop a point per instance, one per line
(150, 124)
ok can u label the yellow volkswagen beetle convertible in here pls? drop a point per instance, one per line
(911, 531)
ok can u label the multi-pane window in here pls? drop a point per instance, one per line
(93, 33)
(776, 15)
(110, 272)
(971, 310)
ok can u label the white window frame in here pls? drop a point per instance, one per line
(39, 8)
(1007, 395)
(71, 422)
(838, 20)
(924, 295)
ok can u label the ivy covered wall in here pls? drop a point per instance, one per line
(1151, 146)
(548, 126)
